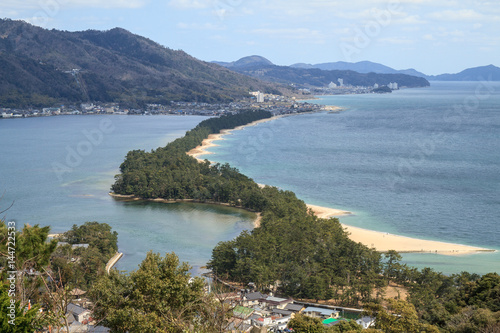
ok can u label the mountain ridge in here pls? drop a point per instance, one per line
(361, 67)
(480, 73)
(108, 66)
(306, 76)
(365, 67)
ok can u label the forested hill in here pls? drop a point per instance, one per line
(36, 68)
(294, 253)
(292, 233)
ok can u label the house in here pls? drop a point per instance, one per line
(321, 313)
(294, 307)
(80, 314)
(242, 312)
(276, 302)
(254, 298)
(282, 322)
(282, 312)
(262, 321)
(366, 322)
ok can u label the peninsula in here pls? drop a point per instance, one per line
(380, 241)
(300, 249)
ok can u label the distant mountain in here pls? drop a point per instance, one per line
(40, 67)
(249, 61)
(487, 73)
(302, 75)
(360, 67)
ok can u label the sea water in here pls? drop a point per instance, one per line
(57, 172)
(417, 162)
(421, 162)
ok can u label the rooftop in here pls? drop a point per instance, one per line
(322, 311)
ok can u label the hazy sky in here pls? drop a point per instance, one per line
(432, 36)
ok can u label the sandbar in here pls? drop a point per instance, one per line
(380, 241)
(383, 241)
(209, 141)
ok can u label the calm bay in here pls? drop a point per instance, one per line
(58, 171)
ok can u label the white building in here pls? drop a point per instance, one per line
(341, 82)
(332, 85)
(366, 322)
(260, 97)
(393, 85)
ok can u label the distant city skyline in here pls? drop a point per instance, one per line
(431, 36)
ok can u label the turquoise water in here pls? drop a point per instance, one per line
(418, 162)
(58, 171)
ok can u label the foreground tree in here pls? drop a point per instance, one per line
(399, 317)
(305, 324)
(160, 296)
(25, 252)
(14, 317)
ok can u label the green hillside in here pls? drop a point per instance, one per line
(40, 66)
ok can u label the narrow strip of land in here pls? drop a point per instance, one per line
(112, 262)
(381, 241)
(209, 142)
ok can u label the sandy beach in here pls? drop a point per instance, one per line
(381, 241)
(209, 142)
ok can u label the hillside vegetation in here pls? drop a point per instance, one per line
(36, 67)
(294, 253)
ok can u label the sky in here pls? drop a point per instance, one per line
(431, 36)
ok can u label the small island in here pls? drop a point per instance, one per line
(382, 90)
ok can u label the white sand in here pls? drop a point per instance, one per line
(383, 242)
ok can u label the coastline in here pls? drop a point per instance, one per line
(126, 197)
(383, 241)
(209, 142)
(112, 262)
(380, 241)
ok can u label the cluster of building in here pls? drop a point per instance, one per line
(258, 100)
(340, 88)
(79, 316)
(257, 311)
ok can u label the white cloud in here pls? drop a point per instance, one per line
(410, 20)
(53, 5)
(192, 4)
(105, 4)
(41, 21)
(395, 40)
(199, 26)
(290, 33)
(457, 15)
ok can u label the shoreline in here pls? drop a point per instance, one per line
(380, 241)
(131, 197)
(209, 141)
(383, 241)
(112, 262)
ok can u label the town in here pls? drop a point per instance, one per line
(275, 103)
